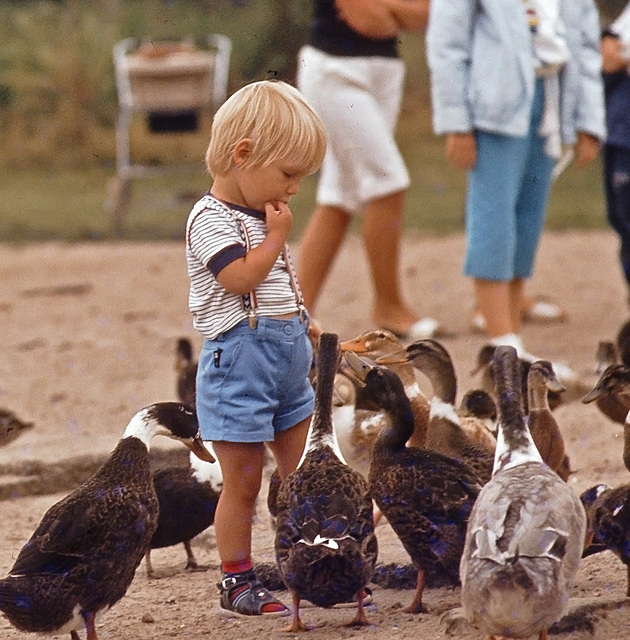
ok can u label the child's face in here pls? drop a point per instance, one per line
(277, 182)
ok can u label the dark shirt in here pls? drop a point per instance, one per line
(617, 93)
(331, 35)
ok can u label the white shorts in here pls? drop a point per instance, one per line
(358, 99)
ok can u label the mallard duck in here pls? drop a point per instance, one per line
(425, 495)
(186, 369)
(325, 545)
(541, 422)
(188, 498)
(613, 405)
(479, 404)
(446, 432)
(11, 427)
(608, 528)
(483, 367)
(526, 531)
(82, 557)
(375, 343)
(615, 383)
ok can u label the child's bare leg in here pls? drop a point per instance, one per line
(241, 465)
(288, 447)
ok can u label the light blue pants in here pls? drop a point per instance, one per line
(508, 192)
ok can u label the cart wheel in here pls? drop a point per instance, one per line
(118, 197)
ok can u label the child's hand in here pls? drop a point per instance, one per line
(279, 220)
(586, 149)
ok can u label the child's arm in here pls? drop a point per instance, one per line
(246, 273)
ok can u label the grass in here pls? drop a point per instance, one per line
(64, 203)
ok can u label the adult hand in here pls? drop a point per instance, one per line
(613, 60)
(461, 150)
(586, 149)
(370, 18)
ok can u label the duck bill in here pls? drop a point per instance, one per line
(197, 446)
(592, 395)
(357, 345)
(357, 368)
(398, 357)
(553, 384)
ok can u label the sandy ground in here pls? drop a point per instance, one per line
(88, 336)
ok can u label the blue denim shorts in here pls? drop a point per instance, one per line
(252, 383)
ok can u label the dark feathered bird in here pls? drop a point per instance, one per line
(188, 498)
(425, 495)
(446, 431)
(186, 368)
(325, 543)
(608, 523)
(83, 555)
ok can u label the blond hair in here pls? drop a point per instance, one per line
(279, 122)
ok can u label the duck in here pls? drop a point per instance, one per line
(425, 495)
(11, 427)
(186, 370)
(381, 342)
(447, 431)
(614, 406)
(526, 532)
(614, 383)
(325, 545)
(187, 497)
(608, 518)
(622, 342)
(81, 558)
(478, 403)
(541, 422)
(483, 367)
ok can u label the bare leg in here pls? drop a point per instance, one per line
(288, 447)
(416, 605)
(382, 228)
(493, 300)
(242, 465)
(319, 245)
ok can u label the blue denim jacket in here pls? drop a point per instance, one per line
(482, 68)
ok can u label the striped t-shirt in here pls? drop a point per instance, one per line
(213, 240)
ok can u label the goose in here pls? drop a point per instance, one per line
(608, 517)
(425, 495)
(325, 544)
(82, 556)
(542, 423)
(186, 369)
(614, 382)
(526, 531)
(187, 497)
(447, 431)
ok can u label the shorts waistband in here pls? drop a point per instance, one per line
(271, 326)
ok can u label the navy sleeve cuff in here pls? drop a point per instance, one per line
(225, 257)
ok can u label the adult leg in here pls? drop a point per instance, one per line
(319, 246)
(381, 230)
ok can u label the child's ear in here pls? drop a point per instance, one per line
(242, 151)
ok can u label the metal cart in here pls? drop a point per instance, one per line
(170, 84)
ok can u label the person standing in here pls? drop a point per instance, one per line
(252, 386)
(616, 68)
(351, 73)
(512, 82)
